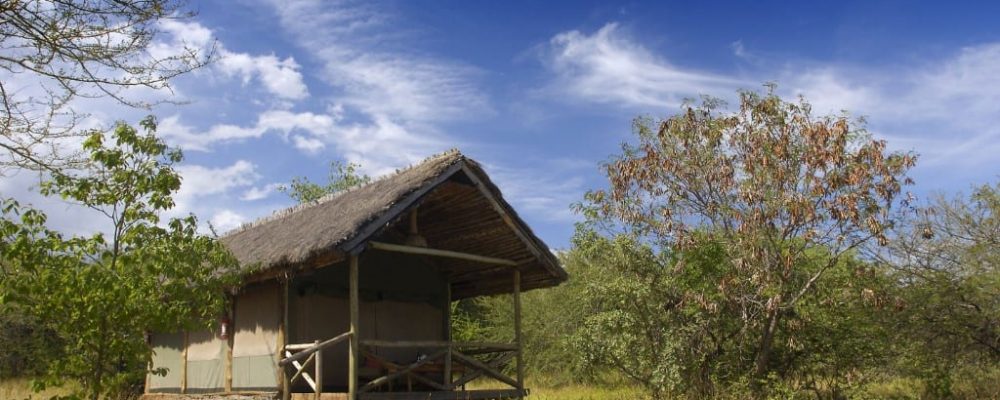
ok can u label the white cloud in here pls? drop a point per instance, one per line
(947, 108)
(259, 192)
(396, 98)
(227, 220)
(609, 67)
(279, 77)
(280, 121)
(198, 182)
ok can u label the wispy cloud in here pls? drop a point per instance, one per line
(280, 77)
(302, 129)
(396, 99)
(947, 109)
(610, 67)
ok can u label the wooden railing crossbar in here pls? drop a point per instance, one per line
(313, 348)
(438, 343)
(487, 369)
(300, 370)
(388, 378)
(471, 376)
(409, 374)
(448, 350)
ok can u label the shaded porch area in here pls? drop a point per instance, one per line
(354, 331)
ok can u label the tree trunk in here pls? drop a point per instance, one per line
(764, 350)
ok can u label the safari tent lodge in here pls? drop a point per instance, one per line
(349, 297)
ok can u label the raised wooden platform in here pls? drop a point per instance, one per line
(484, 394)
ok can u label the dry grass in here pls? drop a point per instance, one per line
(567, 392)
(20, 389)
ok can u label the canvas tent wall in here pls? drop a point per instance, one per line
(168, 349)
(197, 362)
(256, 340)
(401, 298)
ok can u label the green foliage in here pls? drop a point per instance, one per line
(341, 177)
(550, 319)
(102, 294)
(26, 343)
(947, 259)
(767, 204)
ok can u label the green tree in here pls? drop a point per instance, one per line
(947, 259)
(783, 195)
(53, 52)
(102, 294)
(341, 177)
(550, 319)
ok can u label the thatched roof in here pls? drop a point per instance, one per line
(460, 209)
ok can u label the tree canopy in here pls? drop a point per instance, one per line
(103, 293)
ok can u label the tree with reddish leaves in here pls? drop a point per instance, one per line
(787, 196)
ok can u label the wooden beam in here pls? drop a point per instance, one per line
(436, 344)
(488, 370)
(440, 253)
(305, 375)
(229, 343)
(312, 348)
(446, 379)
(354, 305)
(184, 366)
(469, 377)
(543, 254)
(356, 245)
(388, 378)
(300, 370)
(319, 372)
(482, 394)
(283, 381)
(517, 329)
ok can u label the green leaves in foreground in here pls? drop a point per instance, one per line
(101, 294)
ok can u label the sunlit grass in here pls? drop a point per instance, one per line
(566, 392)
(20, 389)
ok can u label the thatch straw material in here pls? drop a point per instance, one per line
(341, 222)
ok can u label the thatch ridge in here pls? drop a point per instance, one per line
(298, 233)
(282, 213)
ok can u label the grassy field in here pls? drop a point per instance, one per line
(20, 389)
(583, 393)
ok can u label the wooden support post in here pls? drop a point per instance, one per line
(355, 343)
(286, 385)
(319, 372)
(447, 333)
(229, 344)
(184, 365)
(517, 332)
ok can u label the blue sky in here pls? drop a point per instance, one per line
(541, 92)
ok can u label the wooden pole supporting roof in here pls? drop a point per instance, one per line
(440, 253)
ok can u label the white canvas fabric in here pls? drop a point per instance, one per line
(167, 354)
(206, 365)
(255, 338)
